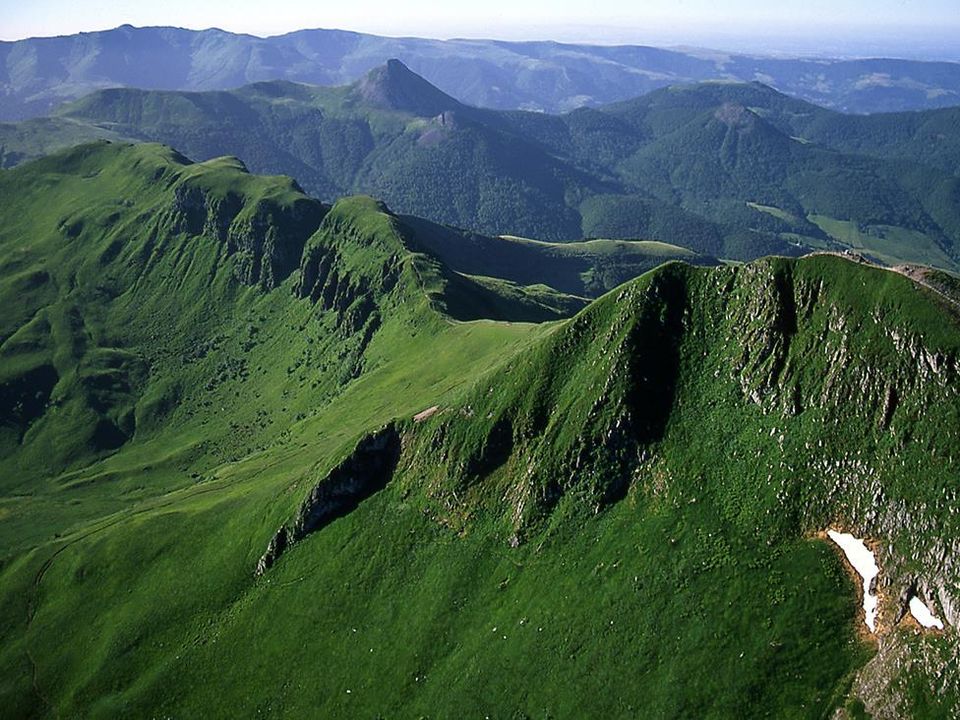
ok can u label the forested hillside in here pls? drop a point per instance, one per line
(727, 170)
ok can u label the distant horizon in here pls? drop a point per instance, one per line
(945, 48)
(913, 29)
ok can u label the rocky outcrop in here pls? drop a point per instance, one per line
(331, 279)
(269, 241)
(352, 297)
(278, 543)
(734, 115)
(24, 399)
(196, 211)
(769, 321)
(265, 237)
(349, 270)
(878, 385)
(366, 471)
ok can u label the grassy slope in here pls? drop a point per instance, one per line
(232, 371)
(887, 243)
(662, 460)
(29, 140)
(110, 244)
(587, 268)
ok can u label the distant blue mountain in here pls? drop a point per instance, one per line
(38, 74)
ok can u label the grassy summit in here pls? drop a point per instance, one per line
(220, 503)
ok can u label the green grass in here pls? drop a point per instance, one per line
(775, 212)
(31, 139)
(609, 515)
(889, 244)
(608, 246)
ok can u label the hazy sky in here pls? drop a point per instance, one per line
(676, 21)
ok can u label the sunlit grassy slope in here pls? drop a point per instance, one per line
(610, 515)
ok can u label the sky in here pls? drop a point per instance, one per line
(789, 25)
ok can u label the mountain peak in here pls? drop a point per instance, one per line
(394, 86)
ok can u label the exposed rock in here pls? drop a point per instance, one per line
(365, 471)
(734, 115)
(278, 543)
(267, 239)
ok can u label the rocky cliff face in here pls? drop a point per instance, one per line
(364, 472)
(791, 396)
(855, 407)
(266, 238)
(880, 382)
(349, 270)
(883, 401)
(351, 298)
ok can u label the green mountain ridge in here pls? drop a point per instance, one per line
(143, 209)
(342, 487)
(684, 165)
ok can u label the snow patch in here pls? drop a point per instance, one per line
(864, 562)
(922, 614)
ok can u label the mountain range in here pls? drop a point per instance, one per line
(513, 380)
(725, 169)
(37, 74)
(268, 456)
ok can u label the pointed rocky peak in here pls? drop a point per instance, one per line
(394, 86)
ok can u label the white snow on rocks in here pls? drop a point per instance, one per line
(864, 562)
(922, 614)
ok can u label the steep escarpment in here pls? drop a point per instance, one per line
(364, 258)
(135, 257)
(703, 427)
(828, 389)
(355, 270)
(788, 396)
(576, 415)
(439, 514)
(265, 237)
(354, 258)
(366, 470)
(154, 285)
